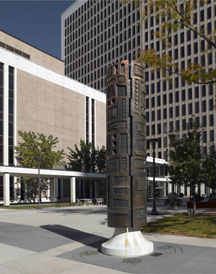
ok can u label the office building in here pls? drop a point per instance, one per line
(96, 33)
(36, 96)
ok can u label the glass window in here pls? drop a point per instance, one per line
(159, 114)
(170, 98)
(183, 95)
(177, 96)
(189, 93)
(196, 92)
(184, 124)
(211, 135)
(153, 129)
(165, 113)
(203, 106)
(171, 126)
(204, 123)
(171, 112)
(196, 107)
(190, 108)
(177, 125)
(158, 101)
(153, 102)
(153, 115)
(183, 110)
(211, 104)
(177, 111)
(159, 129)
(164, 99)
(211, 120)
(204, 137)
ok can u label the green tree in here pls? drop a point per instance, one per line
(29, 149)
(186, 158)
(209, 170)
(87, 158)
(171, 16)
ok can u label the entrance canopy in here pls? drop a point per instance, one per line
(7, 171)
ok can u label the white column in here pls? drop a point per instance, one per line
(56, 187)
(6, 189)
(5, 117)
(73, 189)
(52, 190)
(48, 188)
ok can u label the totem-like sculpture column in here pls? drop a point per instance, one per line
(126, 160)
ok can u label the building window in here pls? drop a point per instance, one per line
(1, 111)
(11, 116)
(87, 120)
(93, 122)
(211, 120)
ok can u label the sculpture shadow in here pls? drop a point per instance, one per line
(84, 238)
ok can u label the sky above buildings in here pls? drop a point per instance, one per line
(35, 22)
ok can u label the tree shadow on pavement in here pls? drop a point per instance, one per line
(85, 238)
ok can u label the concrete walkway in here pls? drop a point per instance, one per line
(68, 240)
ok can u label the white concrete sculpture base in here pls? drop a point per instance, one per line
(126, 242)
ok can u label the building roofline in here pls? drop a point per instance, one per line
(31, 45)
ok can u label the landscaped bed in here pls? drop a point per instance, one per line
(184, 225)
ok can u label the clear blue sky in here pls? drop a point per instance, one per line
(35, 22)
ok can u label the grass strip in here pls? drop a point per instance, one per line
(202, 226)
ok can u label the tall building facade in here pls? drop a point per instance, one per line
(35, 95)
(96, 33)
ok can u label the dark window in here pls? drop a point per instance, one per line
(204, 123)
(158, 101)
(159, 114)
(159, 129)
(190, 94)
(203, 106)
(177, 96)
(196, 92)
(170, 98)
(211, 120)
(184, 124)
(204, 137)
(164, 99)
(165, 113)
(197, 107)
(177, 111)
(190, 108)
(211, 135)
(203, 91)
(211, 104)
(183, 95)
(183, 110)
(171, 112)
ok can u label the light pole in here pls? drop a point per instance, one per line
(39, 189)
(154, 209)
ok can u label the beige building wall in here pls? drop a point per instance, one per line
(36, 55)
(50, 109)
(100, 124)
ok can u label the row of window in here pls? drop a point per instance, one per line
(193, 108)
(157, 129)
(91, 8)
(173, 97)
(203, 13)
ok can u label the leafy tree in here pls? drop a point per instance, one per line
(36, 146)
(171, 16)
(87, 158)
(209, 170)
(186, 157)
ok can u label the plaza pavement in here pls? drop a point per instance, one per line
(68, 240)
